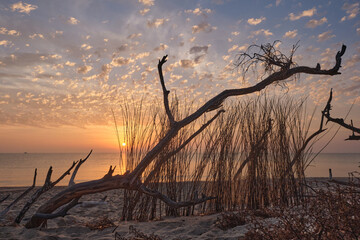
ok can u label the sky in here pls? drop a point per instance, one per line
(65, 64)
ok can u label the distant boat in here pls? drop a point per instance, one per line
(25, 152)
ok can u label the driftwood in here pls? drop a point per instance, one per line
(340, 121)
(3, 213)
(131, 181)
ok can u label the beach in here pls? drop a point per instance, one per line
(102, 220)
(76, 224)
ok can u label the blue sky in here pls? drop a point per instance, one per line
(65, 64)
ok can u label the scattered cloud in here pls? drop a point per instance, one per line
(86, 46)
(233, 48)
(162, 47)
(36, 35)
(277, 2)
(23, 7)
(144, 11)
(73, 21)
(305, 13)
(5, 31)
(186, 63)
(120, 61)
(313, 23)
(199, 11)
(203, 27)
(256, 21)
(352, 10)
(5, 43)
(264, 32)
(291, 34)
(235, 33)
(84, 69)
(156, 22)
(134, 35)
(358, 31)
(325, 36)
(199, 49)
(147, 2)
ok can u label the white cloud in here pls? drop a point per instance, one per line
(305, 13)
(233, 48)
(84, 69)
(264, 32)
(134, 35)
(5, 31)
(36, 35)
(313, 23)
(73, 21)
(156, 22)
(147, 2)
(358, 31)
(203, 27)
(235, 33)
(199, 11)
(325, 36)
(86, 46)
(5, 43)
(290, 34)
(352, 10)
(277, 2)
(255, 21)
(23, 7)
(161, 47)
(144, 11)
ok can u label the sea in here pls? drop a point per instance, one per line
(17, 169)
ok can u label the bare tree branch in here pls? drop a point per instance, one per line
(4, 198)
(340, 121)
(46, 187)
(2, 214)
(165, 91)
(280, 75)
(72, 182)
(171, 203)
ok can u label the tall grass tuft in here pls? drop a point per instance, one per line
(244, 158)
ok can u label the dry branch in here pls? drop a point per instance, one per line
(131, 181)
(2, 214)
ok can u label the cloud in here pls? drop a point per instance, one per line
(5, 31)
(290, 34)
(264, 32)
(162, 47)
(233, 48)
(199, 11)
(117, 62)
(325, 36)
(86, 46)
(203, 27)
(5, 43)
(255, 21)
(156, 22)
(84, 69)
(235, 33)
(73, 21)
(23, 7)
(277, 2)
(313, 23)
(352, 10)
(358, 31)
(186, 63)
(198, 49)
(147, 2)
(305, 13)
(144, 11)
(36, 35)
(352, 61)
(134, 35)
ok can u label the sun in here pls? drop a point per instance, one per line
(123, 144)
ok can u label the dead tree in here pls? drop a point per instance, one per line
(278, 68)
(340, 121)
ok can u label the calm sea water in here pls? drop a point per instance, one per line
(17, 169)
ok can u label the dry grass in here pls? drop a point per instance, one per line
(244, 157)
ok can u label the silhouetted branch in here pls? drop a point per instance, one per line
(2, 214)
(340, 121)
(72, 179)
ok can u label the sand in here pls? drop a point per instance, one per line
(74, 226)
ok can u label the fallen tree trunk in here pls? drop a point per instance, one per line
(131, 180)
